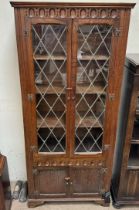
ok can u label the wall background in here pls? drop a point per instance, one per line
(11, 123)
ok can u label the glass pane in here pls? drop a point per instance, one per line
(135, 135)
(134, 150)
(49, 55)
(134, 156)
(94, 46)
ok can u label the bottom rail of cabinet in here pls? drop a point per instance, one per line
(123, 201)
(32, 203)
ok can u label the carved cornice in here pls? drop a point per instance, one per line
(100, 13)
(44, 4)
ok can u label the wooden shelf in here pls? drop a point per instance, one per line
(135, 136)
(80, 89)
(47, 57)
(60, 57)
(135, 141)
(133, 163)
(50, 90)
(87, 144)
(133, 167)
(95, 57)
(137, 112)
(50, 122)
(98, 88)
(88, 122)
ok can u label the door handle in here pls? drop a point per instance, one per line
(67, 179)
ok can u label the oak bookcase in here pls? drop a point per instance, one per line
(71, 58)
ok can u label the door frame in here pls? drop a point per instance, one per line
(110, 88)
(33, 138)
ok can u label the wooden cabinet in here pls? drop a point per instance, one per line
(5, 189)
(125, 179)
(71, 60)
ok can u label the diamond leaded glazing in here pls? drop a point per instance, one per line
(49, 55)
(94, 45)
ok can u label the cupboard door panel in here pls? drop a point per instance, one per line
(93, 57)
(129, 185)
(85, 181)
(51, 182)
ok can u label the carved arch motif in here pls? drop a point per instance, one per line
(102, 13)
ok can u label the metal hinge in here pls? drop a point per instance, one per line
(35, 171)
(111, 96)
(26, 33)
(30, 96)
(106, 147)
(103, 170)
(116, 31)
(33, 149)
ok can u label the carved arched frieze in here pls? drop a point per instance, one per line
(86, 163)
(100, 13)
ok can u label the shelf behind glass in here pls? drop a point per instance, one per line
(133, 162)
(61, 57)
(49, 57)
(135, 135)
(88, 121)
(51, 121)
(97, 88)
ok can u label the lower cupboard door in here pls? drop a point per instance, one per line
(85, 181)
(51, 182)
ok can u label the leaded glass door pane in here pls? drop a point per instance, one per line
(93, 55)
(50, 58)
(134, 149)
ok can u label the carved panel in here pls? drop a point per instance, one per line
(85, 163)
(73, 13)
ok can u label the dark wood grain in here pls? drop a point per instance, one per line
(125, 180)
(55, 4)
(70, 176)
(5, 191)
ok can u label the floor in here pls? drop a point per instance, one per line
(64, 206)
(16, 205)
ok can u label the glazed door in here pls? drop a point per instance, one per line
(91, 51)
(51, 63)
